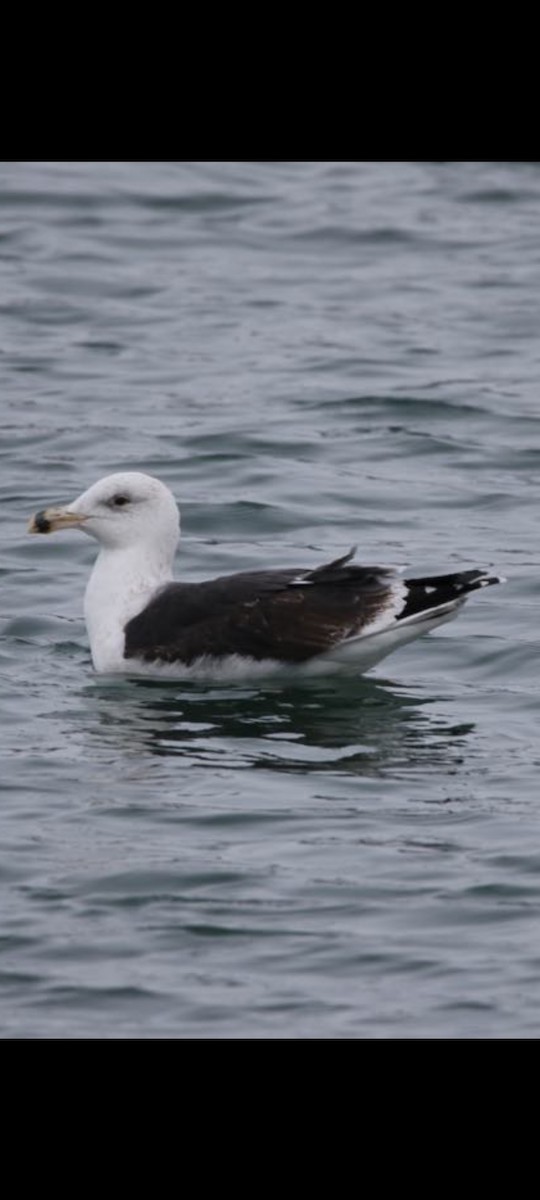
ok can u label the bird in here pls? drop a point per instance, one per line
(339, 616)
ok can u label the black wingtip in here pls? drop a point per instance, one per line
(487, 580)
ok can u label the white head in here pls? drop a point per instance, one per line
(121, 511)
(135, 520)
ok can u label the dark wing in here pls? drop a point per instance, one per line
(288, 615)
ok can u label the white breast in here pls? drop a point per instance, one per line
(119, 587)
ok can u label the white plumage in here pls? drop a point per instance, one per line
(341, 616)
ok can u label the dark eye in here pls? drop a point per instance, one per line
(119, 500)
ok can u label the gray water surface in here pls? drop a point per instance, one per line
(311, 355)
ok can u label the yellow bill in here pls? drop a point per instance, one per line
(48, 520)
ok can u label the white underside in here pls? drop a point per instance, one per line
(352, 656)
(118, 589)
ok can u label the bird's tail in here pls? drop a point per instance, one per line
(443, 592)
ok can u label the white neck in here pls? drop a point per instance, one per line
(119, 587)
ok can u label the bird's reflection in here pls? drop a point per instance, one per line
(365, 726)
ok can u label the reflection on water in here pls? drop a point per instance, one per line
(366, 726)
(327, 860)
